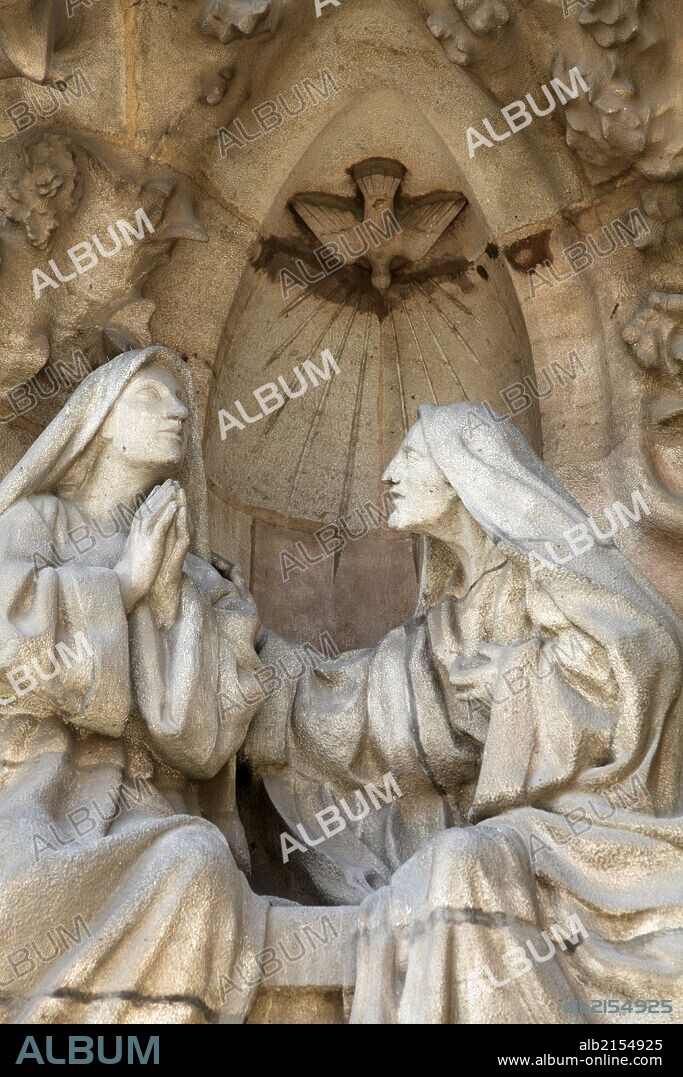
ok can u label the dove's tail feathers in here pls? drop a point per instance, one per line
(378, 178)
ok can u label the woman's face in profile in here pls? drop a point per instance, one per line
(421, 495)
(148, 427)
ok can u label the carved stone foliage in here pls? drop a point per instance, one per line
(610, 22)
(609, 127)
(654, 461)
(60, 193)
(461, 24)
(632, 114)
(656, 334)
(228, 20)
(623, 48)
(45, 183)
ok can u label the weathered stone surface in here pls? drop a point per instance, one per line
(489, 252)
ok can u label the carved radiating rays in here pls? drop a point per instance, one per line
(320, 455)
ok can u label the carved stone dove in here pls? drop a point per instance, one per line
(399, 236)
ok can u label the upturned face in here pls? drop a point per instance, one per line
(420, 492)
(147, 427)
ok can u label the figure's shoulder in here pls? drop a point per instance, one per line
(33, 510)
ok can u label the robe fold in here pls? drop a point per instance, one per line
(546, 807)
(121, 894)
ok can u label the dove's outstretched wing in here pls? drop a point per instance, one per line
(327, 217)
(426, 220)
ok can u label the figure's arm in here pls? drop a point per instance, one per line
(192, 679)
(64, 635)
(355, 718)
(63, 628)
(552, 704)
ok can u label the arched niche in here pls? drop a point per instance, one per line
(448, 328)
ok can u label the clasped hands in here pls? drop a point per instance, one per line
(151, 566)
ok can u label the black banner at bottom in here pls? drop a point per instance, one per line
(502, 1047)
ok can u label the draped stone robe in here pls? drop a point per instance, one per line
(118, 902)
(517, 815)
(552, 805)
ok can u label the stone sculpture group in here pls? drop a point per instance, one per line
(462, 869)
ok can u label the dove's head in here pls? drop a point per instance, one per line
(381, 278)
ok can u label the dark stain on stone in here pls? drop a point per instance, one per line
(137, 998)
(342, 285)
(492, 250)
(276, 254)
(271, 247)
(455, 269)
(525, 254)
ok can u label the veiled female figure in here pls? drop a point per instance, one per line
(530, 716)
(118, 901)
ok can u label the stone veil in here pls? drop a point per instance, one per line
(126, 905)
(513, 711)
